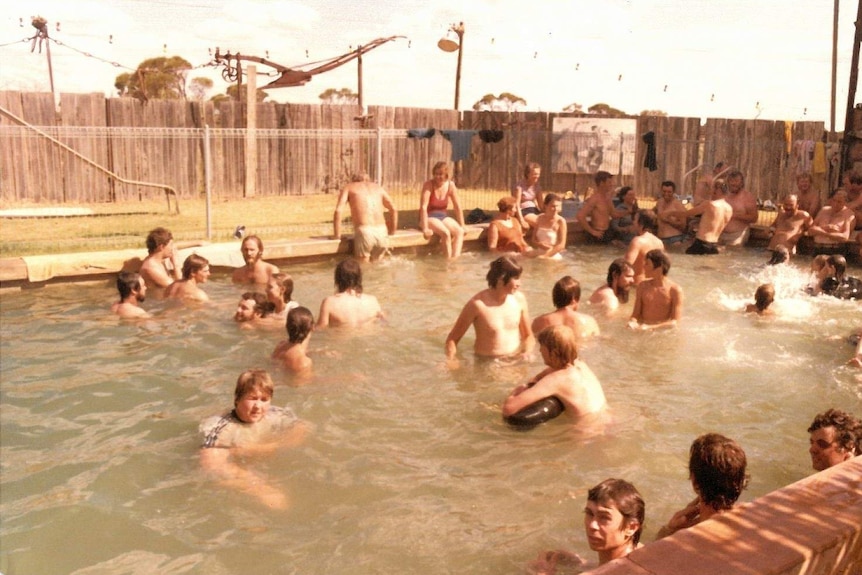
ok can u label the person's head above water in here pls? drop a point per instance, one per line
(502, 270)
(348, 275)
(565, 292)
(835, 436)
(614, 518)
(299, 324)
(716, 466)
(252, 395)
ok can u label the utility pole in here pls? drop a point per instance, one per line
(41, 26)
(851, 94)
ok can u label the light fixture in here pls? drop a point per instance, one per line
(447, 44)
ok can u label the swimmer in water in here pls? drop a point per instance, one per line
(196, 270)
(658, 301)
(293, 353)
(763, 298)
(133, 291)
(349, 307)
(566, 296)
(255, 271)
(279, 291)
(621, 277)
(252, 427)
(613, 521)
(567, 378)
(252, 308)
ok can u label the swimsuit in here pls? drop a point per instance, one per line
(437, 206)
(607, 237)
(229, 431)
(702, 248)
(528, 198)
(510, 239)
(739, 238)
(669, 241)
(546, 235)
(367, 238)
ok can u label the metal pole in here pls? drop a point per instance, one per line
(459, 30)
(251, 133)
(834, 66)
(207, 178)
(379, 156)
(359, 78)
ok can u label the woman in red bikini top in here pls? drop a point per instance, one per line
(433, 215)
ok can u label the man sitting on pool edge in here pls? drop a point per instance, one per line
(498, 314)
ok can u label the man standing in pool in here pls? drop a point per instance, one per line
(498, 314)
(644, 241)
(160, 267)
(371, 227)
(715, 215)
(621, 277)
(132, 290)
(658, 300)
(596, 212)
(566, 296)
(255, 271)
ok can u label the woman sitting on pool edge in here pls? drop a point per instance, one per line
(613, 522)
(433, 211)
(252, 427)
(567, 378)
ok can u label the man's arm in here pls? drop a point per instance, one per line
(637, 311)
(218, 462)
(462, 324)
(392, 219)
(156, 274)
(336, 217)
(585, 212)
(323, 316)
(530, 393)
(632, 251)
(528, 340)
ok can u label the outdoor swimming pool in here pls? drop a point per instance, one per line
(409, 467)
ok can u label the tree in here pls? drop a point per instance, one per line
(198, 88)
(156, 78)
(602, 109)
(344, 96)
(574, 107)
(659, 113)
(505, 102)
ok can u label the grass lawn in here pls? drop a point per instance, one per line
(122, 226)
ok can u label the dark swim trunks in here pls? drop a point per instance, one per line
(702, 248)
(607, 237)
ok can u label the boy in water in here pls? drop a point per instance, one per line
(763, 298)
(293, 353)
(567, 378)
(253, 427)
(613, 522)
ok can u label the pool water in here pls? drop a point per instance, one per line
(409, 467)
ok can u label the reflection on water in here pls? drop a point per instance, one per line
(409, 467)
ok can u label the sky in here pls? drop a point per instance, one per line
(745, 59)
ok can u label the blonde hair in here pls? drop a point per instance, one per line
(561, 343)
(253, 380)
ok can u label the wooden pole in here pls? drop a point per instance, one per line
(251, 133)
(834, 65)
(459, 30)
(851, 93)
(359, 77)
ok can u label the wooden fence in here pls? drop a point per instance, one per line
(309, 149)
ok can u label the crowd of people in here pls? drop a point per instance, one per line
(529, 224)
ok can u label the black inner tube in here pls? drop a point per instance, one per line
(539, 412)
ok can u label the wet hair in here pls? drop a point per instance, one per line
(128, 283)
(299, 324)
(838, 262)
(848, 429)
(551, 197)
(818, 262)
(717, 465)
(503, 268)
(530, 167)
(659, 259)
(779, 255)
(561, 343)
(254, 239)
(348, 275)
(648, 220)
(262, 305)
(285, 282)
(253, 380)
(602, 176)
(617, 268)
(625, 497)
(669, 184)
(764, 295)
(439, 165)
(566, 291)
(158, 237)
(505, 204)
(194, 263)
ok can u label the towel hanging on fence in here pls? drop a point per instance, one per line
(804, 151)
(650, 155)
(460, 142)
(491, 136)
(818, 164)
(421, 133)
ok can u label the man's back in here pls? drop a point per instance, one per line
(582, 324)
(349, 309)
(638, 248)
(366, 203)
(716, 216)
(577, 387)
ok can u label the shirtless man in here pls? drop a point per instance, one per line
(567, 296)
(255, 271)
(252, 307)
(671, 226)
(293, 352)
(498, 314)
(835, 436)
(567, 378)
(196, 270)
(621, 277)
(349, 306)
(643, 242)
(744, 211)
(832, 226)
(160, 269)
(596, 212)
(789, 226)
(371, 227)
(133, 291)
(809, 198)
(715, 215)
(658, 300)
(853, 186)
